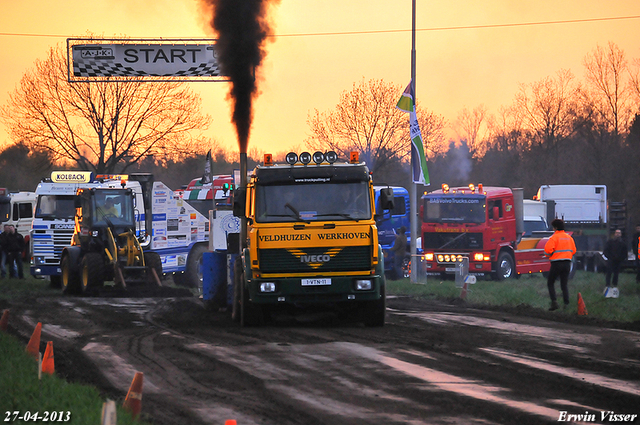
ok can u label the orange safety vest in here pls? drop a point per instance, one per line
(560, 246)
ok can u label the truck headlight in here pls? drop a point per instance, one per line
(363, 285)
(268, 287)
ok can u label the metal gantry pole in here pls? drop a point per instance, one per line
(243, 184)
(413, 188)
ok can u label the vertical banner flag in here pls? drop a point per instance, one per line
(206, 177)
(420, 174)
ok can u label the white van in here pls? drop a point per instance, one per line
(17, 209)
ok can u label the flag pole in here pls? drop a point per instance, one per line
(413, 188)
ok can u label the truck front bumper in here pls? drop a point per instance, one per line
(43, 270)
(315, 290)
(475, 267)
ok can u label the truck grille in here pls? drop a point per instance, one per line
(50, 245)
(306, 260)
(452, 241)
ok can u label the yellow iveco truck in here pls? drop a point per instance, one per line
(310, 240)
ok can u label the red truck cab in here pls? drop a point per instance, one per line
(482, 224)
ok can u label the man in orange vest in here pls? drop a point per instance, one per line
(635, 244)
(560, 249)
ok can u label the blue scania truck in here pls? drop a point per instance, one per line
(389, 223)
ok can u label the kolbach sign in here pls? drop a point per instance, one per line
(145, 60)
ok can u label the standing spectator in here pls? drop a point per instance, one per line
(560, 248)
(399, 248)
(3, 255)
(12, 245)
(615, 252)
(634, 245)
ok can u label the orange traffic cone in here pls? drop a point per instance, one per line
(33, 347)
(47, 360)
(582, 309)
(230, 422)
(133, 401)
(4, 322)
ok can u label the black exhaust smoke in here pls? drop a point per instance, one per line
(242, 27)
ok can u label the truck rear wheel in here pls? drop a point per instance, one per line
(193, 273)
(238, 278)
(70, 280)
(92, 268)
(505, 268)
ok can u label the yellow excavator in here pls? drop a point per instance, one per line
(104, 246)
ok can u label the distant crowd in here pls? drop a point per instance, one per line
(11, 249)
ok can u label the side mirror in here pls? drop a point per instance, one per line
(239, 201)
(77, 202)
(386, 199)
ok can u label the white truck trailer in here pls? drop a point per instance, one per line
(584, 209)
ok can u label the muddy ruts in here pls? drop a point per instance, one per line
(242, 27)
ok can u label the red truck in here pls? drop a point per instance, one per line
(483, 224)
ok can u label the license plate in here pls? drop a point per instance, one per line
(316, 282)
(450, 269)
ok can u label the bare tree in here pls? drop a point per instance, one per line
(547, 108)
(432, 128)
(634, 85)
(102, 127)
(469, 125)
(366, 120)
(506, 133)
(607, 86)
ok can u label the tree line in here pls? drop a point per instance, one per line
(558, 130)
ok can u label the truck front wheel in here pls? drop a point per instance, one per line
(153, 261)
(243, 310)
(505, 268)
(375, 311)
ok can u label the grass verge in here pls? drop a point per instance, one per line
(531, 290)
(23, 392)
(20, 389)
(19, 289)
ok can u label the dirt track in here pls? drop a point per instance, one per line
(433, 363)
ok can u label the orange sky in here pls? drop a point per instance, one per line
(456, 68)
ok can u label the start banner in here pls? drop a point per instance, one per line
(144, 60)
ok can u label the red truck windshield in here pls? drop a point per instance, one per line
(454, 209)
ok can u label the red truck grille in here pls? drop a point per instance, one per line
(452, 241)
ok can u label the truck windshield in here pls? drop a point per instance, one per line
(446, 209)
(313, 202)
(55, 207)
